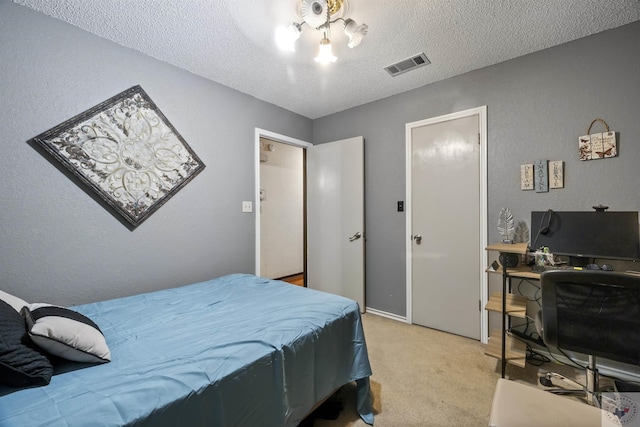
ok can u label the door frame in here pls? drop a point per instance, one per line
(481, 112)
(262, 133)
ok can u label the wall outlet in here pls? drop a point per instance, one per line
(247, 206)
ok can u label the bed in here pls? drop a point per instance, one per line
(239, 350)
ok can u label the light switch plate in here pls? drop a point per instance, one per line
(247, 206)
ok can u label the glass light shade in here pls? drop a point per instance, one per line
(355, 32)
(325, 55)
(286, 37)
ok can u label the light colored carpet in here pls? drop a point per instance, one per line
(427, 378)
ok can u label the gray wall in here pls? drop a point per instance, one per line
(537, 106)
(59, 245)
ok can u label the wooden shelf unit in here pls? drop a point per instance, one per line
(521, 271)
(501, 345)
(516, 304)
(508, 248)
(515, 350)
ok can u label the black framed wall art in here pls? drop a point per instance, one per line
(126, 152)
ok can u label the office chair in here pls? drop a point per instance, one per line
(595, 313)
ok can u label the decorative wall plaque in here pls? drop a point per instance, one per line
(597, 145)
(556, 174)
(526, 177)
(127, 152)
(541, 176)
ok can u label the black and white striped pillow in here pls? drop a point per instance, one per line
(21, 363)
(12, 300)
(66, 333)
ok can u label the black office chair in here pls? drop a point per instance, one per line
(596, 313)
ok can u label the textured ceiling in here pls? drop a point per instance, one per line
(231, 41)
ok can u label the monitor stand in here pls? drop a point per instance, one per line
(578, 261)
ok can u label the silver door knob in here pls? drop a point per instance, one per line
(355, 237)
(417, 238)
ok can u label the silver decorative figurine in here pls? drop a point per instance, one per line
(506, 225)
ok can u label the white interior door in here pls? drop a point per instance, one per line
(335, 218)
(446, 243)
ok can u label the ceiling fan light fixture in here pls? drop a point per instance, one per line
(286, 37)
(355, 32)
(325, 55)
(320, 14)
(314, 12)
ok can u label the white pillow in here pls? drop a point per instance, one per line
(13, 301)
(66, 333)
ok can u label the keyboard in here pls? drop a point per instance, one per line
(543, 268)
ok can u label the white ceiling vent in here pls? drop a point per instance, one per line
(407, 65)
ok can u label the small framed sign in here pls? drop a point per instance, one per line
(541, 174)
(526, 177)
(597, 145)
(556, 174)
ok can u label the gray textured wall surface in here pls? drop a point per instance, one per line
(57, 244)
(537, 107)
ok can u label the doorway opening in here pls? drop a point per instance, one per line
(282, 201)
(281, 212)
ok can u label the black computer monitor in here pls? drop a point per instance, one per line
(587, 234)
(592, 312)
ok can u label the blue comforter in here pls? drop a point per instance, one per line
(234, 351)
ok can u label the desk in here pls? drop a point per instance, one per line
(506, 348)
(508, 304)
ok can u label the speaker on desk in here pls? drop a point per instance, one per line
(509, 260)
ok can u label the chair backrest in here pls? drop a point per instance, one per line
(592, 312)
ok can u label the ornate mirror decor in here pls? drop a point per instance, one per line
(126, 151)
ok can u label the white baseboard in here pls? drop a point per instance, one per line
(385, 314)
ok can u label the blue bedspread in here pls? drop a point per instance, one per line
(239, 350)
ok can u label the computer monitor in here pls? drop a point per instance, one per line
(586, 234)
(592, 312)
